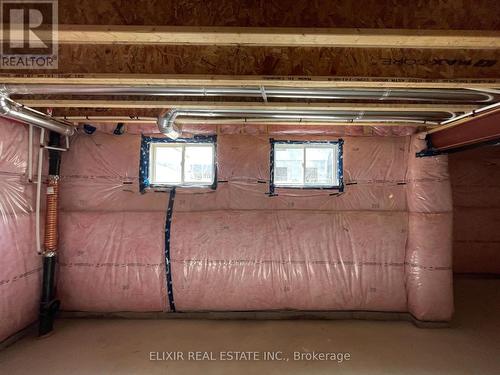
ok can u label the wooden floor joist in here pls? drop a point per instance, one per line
(152, 104)
(190, 121)
(269, 36)
(225, 80)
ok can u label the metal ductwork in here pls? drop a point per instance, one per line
(15, 111)
(166, 123)
(419, 95)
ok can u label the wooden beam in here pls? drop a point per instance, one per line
(188, 121)
(290, 37)
(486, 111)
(475, 131)
(152, 104)
(236, 80)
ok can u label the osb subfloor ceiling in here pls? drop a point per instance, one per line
(138, 62)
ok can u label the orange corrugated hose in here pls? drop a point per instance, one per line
(51, 233)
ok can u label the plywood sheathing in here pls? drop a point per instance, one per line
(306, 61)
(426, 14)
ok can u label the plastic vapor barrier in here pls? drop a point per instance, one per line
(20, 265)
(429, 278)
(384, 244)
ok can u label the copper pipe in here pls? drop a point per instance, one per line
(48, 302)
(51, 233)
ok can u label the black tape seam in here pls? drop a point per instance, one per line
(21, 276)
(168, 268)
(271, 169)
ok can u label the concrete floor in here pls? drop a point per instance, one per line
(80, 346)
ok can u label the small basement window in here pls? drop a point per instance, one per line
(306, 164)
(183, 162)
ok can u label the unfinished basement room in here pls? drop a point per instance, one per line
(249, 187)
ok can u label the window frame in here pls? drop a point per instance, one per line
(147, 166)
(303, 144)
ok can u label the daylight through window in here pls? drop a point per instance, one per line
(306, 165)
(182, 164)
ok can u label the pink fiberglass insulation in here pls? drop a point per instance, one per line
(475, 177)
(429, 277)
(272, 130)
(269, 260)
(382, 245)
(20, 265)
(109, 262)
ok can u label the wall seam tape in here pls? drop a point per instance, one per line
(168, 268)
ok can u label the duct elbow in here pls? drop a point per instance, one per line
(5, 107)
(29, 116)
(166, 124)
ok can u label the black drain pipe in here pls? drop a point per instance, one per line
(49, 305)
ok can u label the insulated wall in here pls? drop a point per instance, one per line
(20, 265)
(475, 176)
(237, 248)
(300, 249)
(429, 277)
(112, 237)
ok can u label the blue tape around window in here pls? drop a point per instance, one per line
(144, 181)
(274, 141)
(144, 164)
(340, 165)
(168, 266)
(195, 139)
(271, 163)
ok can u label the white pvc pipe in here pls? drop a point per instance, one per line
(39, 190)
(30, 153)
